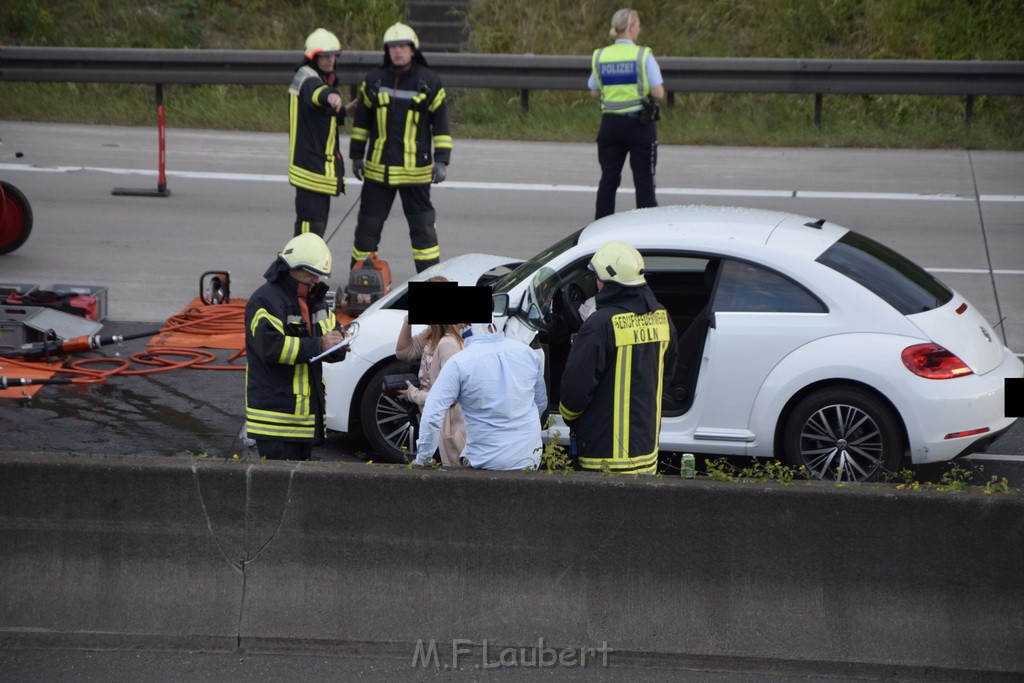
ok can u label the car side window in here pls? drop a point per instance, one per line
(750, 288)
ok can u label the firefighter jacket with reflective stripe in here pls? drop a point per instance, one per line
(314, 159)
(611, 389)
(284, 392)
(621, 73)
(401, 125)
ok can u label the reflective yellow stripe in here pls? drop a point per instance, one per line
(262, 314)
(382, 128)
(293, 126)
(360, 134)
(300, 387)
(620, 402)
(438, 99)
(412, 118)
(443, 141)
(428, 254)
(569, 414)
(289, 351)
(661, 382)
(360, 255)
(643, 464)
(284, 418)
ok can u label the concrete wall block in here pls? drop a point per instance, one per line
(344, 557)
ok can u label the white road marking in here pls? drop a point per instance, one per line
(995, 457)
(544, 187)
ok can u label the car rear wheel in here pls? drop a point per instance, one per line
(389, 423)
(843, 433)
(15, 218)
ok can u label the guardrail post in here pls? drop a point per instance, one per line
(524, 100)
(969, 112)
(817, 110)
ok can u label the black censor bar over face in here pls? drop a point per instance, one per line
(1013, 405)
(448, 303)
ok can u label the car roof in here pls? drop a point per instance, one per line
(715, 228)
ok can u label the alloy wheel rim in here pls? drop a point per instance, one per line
(841, 441)
(395, 424)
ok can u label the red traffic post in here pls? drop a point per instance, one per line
(161, 181)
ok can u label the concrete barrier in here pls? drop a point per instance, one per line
(343, 558)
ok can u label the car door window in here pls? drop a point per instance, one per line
(750, 288)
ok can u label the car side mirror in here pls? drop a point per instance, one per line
(499, 304)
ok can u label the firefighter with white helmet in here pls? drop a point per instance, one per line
(619, 363)
(400, 144)
(316, 113)
(287, 324)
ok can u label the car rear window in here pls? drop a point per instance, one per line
(903, 284)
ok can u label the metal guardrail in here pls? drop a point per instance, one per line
(526, 72)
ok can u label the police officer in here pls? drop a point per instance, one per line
(315, 113)
(621, 358)
(400, 143)
(287, 323)
(627, 79)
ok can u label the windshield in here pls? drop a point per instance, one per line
(900, 282)
(526, 270)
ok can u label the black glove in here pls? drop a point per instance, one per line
(439, 173)
(357, 168)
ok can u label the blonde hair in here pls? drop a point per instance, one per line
(436, 332)
(621, 21)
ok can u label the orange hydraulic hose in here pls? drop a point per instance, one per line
(226, 318)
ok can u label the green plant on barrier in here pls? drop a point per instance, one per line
(759, 472)
(555, 457)
(196, 454)
(997, 485)
(903, 476)
(720, 470)
(955, 479)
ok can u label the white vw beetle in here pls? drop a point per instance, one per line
(798, 339)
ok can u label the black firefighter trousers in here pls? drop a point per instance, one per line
(375, 203)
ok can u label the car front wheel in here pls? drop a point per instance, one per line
(389, 423)
(843, 433)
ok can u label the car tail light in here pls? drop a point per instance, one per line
(934, 362)
(969, 432)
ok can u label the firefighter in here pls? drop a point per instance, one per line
(628, 81)
(287, 323)
(401, 144)
(316, 113)
(621, 359)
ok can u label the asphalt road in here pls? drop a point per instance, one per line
(957, 213)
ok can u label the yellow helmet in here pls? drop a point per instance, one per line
(401, 33)
(321, 40)
(308, 251)
(619, 262)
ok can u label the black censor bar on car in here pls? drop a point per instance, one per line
(1014, 397)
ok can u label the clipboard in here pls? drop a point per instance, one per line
(340, 345)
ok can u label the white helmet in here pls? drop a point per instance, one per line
(619, 262)
(399, 34)
(308, 251)
(321, 40)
